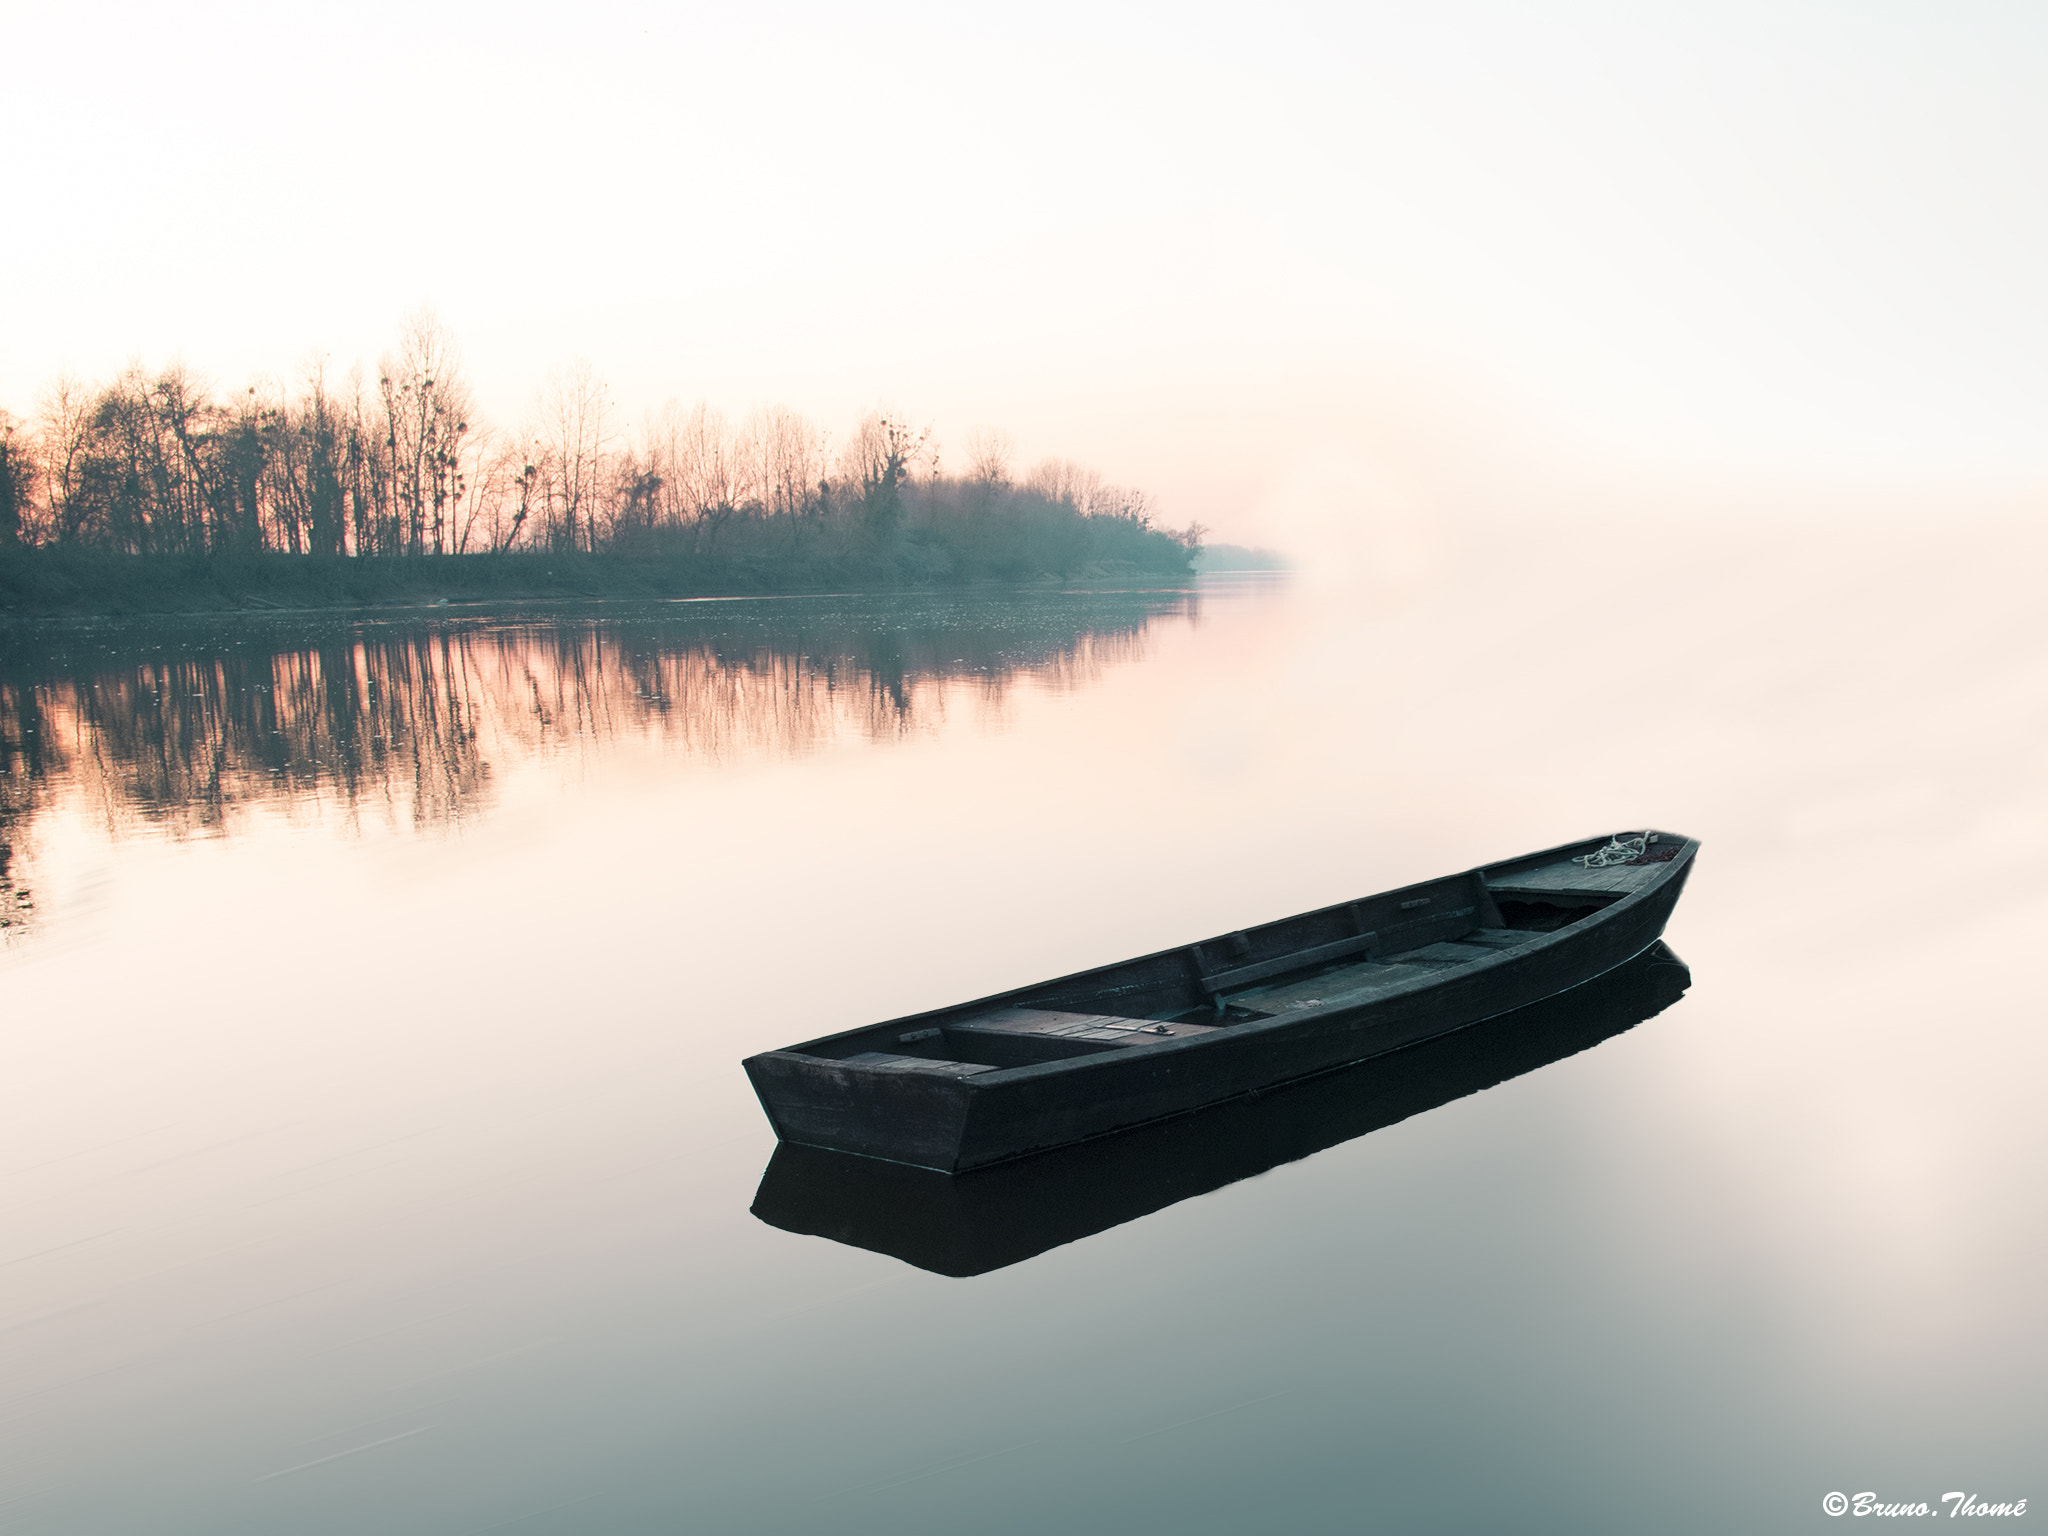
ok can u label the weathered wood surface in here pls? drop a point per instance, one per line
(909, 1117)
(1341, 985)
(1332, 987)
(1055, 1024)
(1301, 959)
(1459, 951)
(1500, 938)
(1565, 876)
(1015, 1037)
(882, 1061)
(1032, 1108)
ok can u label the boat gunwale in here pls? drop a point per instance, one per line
(1295, 1020)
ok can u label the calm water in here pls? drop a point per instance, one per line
(375, 1155)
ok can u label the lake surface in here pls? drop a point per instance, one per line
(375, 1154)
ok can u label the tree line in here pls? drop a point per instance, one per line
(402, 464)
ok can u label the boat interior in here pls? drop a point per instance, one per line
(1340, 955)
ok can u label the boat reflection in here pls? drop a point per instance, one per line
(971, 1223)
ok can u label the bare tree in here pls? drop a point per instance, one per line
(882, 453)
(661, 449)
(988, 456)
(63, 420)
(633, 503)
(142, 470)
(876, 463)
(487, 471)
(1061, 480)
(1086, 492)
(710, 469)
(365, 485)
(574, 438)
(17, 483)
(524, 478)
(427, 407)
(314, 466)
(790, 460)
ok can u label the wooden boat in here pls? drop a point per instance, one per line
(1084, 1055)
(984, 1219)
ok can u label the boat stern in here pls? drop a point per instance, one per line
(903, 1108)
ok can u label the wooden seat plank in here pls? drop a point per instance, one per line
(1048, 1023)
(883, 1061)
(1301, 959)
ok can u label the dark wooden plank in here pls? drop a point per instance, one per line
(1489, 912)
(911, 1117)
(882, 1061)
(1451, 921)
(1017, 1037)
(1048, 1023)
(1318, 991)
(1347, 982)
(1321, 954)
(1500, 938)
(1446, 952)
(1575, 879)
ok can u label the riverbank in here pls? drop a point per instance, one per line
(88, 583)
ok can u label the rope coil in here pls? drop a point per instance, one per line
(1619, 850)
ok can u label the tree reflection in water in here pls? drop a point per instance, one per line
(187, 727)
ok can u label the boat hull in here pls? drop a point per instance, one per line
(974, 1222)
(957, 1123)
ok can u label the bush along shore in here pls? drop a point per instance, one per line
(85, 582)
(152, 493)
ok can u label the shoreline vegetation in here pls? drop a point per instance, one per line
(153, 493)
(92, 584)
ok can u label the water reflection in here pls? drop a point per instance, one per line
(971, 1223)
(187, 728)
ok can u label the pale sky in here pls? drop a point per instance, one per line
(1196, 247)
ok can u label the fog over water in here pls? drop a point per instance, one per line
(376, 1155)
